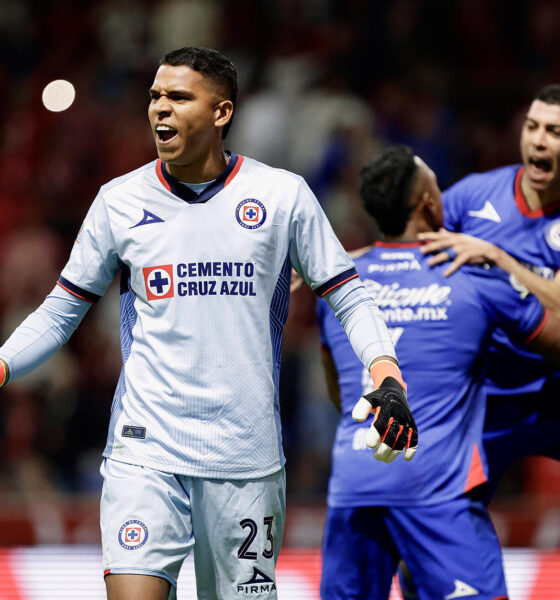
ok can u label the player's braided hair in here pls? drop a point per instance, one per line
(211, 64)
(549, 94)
(386, 186)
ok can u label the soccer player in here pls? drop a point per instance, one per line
(514, 212)
(428, 512)
(204, 240)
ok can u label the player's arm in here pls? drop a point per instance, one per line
(41, 334)
(547, 340)
(393, 430)
(546, 290)
(316, 254)
(462, 248)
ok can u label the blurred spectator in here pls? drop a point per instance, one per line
(177, 23)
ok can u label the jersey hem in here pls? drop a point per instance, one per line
(393, 501)
(205, 473)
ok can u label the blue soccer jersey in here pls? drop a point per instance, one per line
(440, 325)
(492, 206)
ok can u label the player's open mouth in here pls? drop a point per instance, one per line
(543, 165)
(165, 133)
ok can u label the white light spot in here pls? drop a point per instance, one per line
(58, 95)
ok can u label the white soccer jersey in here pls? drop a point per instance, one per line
(204, 298)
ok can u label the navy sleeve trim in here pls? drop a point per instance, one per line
(335, 282)
(77, 291)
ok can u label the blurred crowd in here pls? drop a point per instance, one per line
(324, 84)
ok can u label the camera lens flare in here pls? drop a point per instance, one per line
(58, 95)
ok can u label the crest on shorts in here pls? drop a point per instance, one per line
(250, 213)
(552, 235)
(133, 534)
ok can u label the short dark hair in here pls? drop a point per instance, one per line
(211, 64)
(549, 94)
(386, 185)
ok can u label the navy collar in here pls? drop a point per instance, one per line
(186, 194)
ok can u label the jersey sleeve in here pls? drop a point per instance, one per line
(518, 313)
(315, 251)
(93, 262)
(43, 332)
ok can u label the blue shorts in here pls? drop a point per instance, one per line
(450, 549)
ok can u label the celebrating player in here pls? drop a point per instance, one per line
(427, 512)
(204, 240)
(514, 212)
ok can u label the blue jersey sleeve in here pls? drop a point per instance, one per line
(455, 203)
(512, 309)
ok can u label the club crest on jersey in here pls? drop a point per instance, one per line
(552, 235)
(159, 282)
(133, 534)
(250, 213)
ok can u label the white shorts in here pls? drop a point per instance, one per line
(150, 521)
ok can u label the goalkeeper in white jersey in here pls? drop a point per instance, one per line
(204, 241)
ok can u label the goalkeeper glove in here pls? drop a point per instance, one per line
(393, 429)
(4, 373)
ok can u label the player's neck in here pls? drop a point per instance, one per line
(537, 199)
(410, 234)
(200, 171)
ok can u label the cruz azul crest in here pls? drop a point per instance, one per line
(250, 213)
(133, 534)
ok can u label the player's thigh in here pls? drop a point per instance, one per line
(137, 587)
(451, 549)
(145, 522)
(359, 557)
(238, 526)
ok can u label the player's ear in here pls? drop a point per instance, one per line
(426, 198)
(428, 202)
(431, 209)
(223, 113)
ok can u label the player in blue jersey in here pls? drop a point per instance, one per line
(428, 512)
(204, 241)
(511, 216)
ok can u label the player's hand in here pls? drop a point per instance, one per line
(393, 429)
(459, 248)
